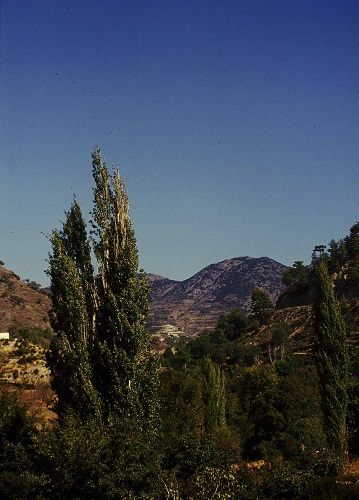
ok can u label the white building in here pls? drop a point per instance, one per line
(4, 336)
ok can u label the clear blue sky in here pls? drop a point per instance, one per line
(235, 123)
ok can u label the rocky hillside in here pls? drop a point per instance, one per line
(194, 304)
(185, 307)
(21, 304)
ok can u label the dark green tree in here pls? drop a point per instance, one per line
(320, 249)
(333, 256)
(342, 251)
(100, 362)
(182, 416)
(262, 307)
(331, 361)
(260, 398)
(352, 242)
(72, 318)
(352, 246)
(124, 368)
(214, 397)
(297, 276)
(17, 476)
(232, 324)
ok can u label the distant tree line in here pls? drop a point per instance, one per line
(341, 257)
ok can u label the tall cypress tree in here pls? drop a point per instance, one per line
(332, 360)
(101, 363)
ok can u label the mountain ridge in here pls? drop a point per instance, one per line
(195, 303)
(188, 306)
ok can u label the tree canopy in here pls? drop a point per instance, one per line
(100, 361)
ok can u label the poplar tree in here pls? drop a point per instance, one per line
(73, 291)
(100, 362)
(331, 361)
(214, 397)
(125, 371)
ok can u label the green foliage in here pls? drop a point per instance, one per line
(182, 415)
(297, 277)
(352, 242)
(214, 397)
(232, 325)
(194, 428)
(125, 370)
(353, 272)
(259, 397)
(182, 355)
(319, 253)
(337, 252)
(331, 488)
(283, 412)
(245, 354)
(281, 332)
(353, 402)
(17, 478)
(100, 361)
(262, 307)
(219, 344)
(72, 286)
(223, 483)
(332, 360)
(34, 334)
(219, 400)
(92, 460)
(299, 396)
(285, 480)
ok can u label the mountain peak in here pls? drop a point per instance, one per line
(195, 303)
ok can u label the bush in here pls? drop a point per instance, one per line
(33, 334)
(284, 480)
(91, 460)
(17, 479)
(223, 483)
(17, 300)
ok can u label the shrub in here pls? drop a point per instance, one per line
(16, 299)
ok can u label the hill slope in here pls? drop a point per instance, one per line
(21, 305)
(194, 304)
(186, 306)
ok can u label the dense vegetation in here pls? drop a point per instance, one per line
(216, 417)
(341, 257)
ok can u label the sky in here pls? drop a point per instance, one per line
(234, 122)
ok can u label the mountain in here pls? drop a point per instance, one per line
(194, 304)
(22, 304)
(176, 307)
